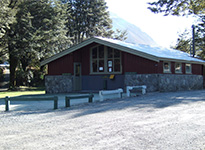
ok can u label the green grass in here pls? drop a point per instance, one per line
(23, 91)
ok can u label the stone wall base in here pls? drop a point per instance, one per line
(154, 82)
(165, 82)
(58, 84)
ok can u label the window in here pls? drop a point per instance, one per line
(178, 68)
(188, 68)
(105, 60)
(166, 67)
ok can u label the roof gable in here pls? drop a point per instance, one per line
(146, 51)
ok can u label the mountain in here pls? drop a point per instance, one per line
(134, 33)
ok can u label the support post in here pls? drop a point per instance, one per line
(90, 98)
(67, 102)
(7, 103)
(55, 102)
(193, 39)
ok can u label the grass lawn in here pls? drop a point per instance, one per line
(23, 91)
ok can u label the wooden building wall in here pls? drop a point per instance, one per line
(133, 63)
(130, 63)
(61, 65)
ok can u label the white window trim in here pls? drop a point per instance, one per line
(105, 62)
(165, 71)
(180, 71)
(190, 69)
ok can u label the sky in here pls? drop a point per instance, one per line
(164, 30)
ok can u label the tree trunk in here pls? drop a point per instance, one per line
(13, 60)
(13, 66)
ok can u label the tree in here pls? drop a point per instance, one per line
(7, 16)
(180, 8)
(200, 37)
(183, 42)
(39, 32)
(88, 18)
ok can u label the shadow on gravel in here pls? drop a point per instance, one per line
(151, 100)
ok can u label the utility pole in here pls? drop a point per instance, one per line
(193, 40)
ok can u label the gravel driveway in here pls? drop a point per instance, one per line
(156, 121)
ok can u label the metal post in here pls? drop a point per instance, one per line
(193, 39)
(7, 103)
(55, 102)
(67, 102)
(90, 98)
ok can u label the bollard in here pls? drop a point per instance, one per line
(7, 103)
(55, 102)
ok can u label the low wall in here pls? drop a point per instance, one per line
(165, 82)
(150, 80)
(58, 84)
(180, 82)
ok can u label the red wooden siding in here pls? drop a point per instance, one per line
(65, 64)
(173, 67)
(183, 68)
(197, 69)
(133, 63)
(86, 61)
(130, 63)
(61, 65)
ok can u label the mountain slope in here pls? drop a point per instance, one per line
(134, 33)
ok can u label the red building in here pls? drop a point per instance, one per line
(101, 63)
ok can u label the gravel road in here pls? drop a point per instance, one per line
(156, 121)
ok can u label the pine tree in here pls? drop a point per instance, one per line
(39, 32)
(88, 18)
(7, 16)
(200, 37)
(180, 8)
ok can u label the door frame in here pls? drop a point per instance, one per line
(75, 78)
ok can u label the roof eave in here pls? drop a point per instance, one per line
(182, 61)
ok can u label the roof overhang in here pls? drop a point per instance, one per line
(182, 61)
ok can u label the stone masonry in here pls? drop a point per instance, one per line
(165, 82)
(58, 84)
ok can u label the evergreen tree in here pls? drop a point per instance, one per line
(7, 16)
(200, 37)
(178, 7)
(39, 32)
(183, 42)
(88, 18)
(188, 7)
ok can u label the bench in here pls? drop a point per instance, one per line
(142, 87)
(50, 98)
(102, 93)
(68, 98)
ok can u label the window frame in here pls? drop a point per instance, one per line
(167, 71)
(190, 72)
(176, 71)
(105, 60)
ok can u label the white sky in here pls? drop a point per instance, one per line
(163, 29)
